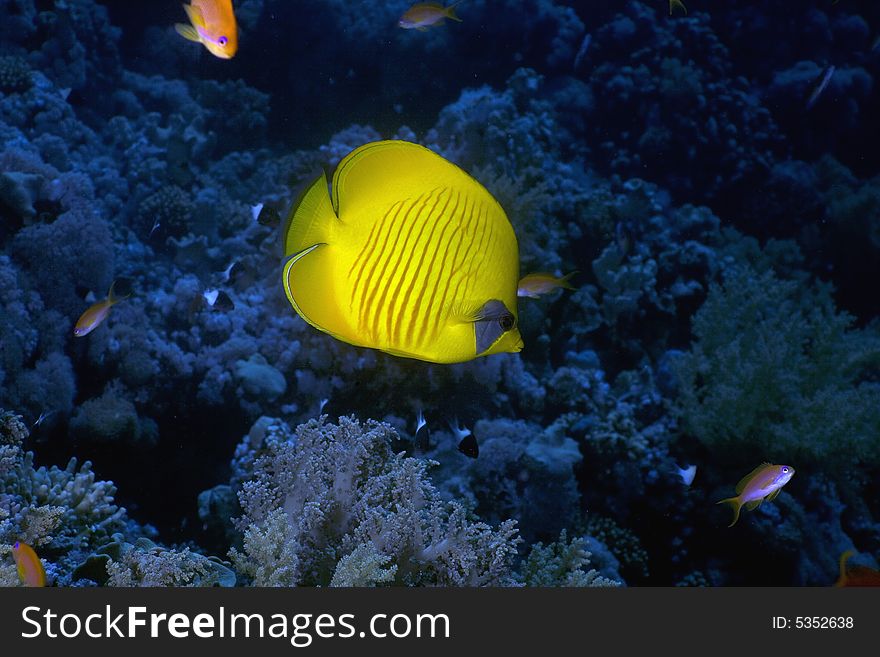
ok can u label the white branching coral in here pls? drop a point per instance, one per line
(322, 499)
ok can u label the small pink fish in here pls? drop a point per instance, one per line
(762, 483)
(96, 313)
(30, 568)
(423, 15)
(534, 285)
(212, 23)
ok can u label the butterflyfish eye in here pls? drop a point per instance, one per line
(784, 470)
(16, 546)
(223, 41)
(494, 320)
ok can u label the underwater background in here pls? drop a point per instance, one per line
(710, 171)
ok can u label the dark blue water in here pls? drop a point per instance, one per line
(713, 178)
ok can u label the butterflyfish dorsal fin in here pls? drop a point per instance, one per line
(745, 480)
(366, 171)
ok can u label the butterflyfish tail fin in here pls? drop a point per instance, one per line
(188, 32)
(309, 273)
(310, 219)
(736, 504)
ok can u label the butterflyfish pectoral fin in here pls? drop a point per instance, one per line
(188, 32)
(772, 496)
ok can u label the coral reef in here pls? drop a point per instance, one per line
(724, 232)
(325, 502)
(776, 371)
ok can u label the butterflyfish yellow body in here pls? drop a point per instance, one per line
(409, 255)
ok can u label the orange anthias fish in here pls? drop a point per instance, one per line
(856, 575)
(762, 483)
(213, 25)
(423, 15)
(96, 313)
(30, 568)
(534, 285)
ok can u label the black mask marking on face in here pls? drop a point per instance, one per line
(493, 321)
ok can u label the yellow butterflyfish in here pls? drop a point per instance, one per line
(409, 255)
(212, 23)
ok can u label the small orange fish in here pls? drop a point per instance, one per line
(213, 25)
(30, 568)
(423, 15)
(856, 575)
(534, 285)
(96, 313)
(762, 483)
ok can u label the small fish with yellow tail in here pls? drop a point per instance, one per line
(30, 568)
(856, 575)
(212, 23)
(96, 313)
(534, 285)
(762, 483)
(423, 15)
(408, 254)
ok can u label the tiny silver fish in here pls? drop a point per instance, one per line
(819, 85)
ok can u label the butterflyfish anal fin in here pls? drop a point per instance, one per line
(188, 32)
(308, 283)
(311, 218)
